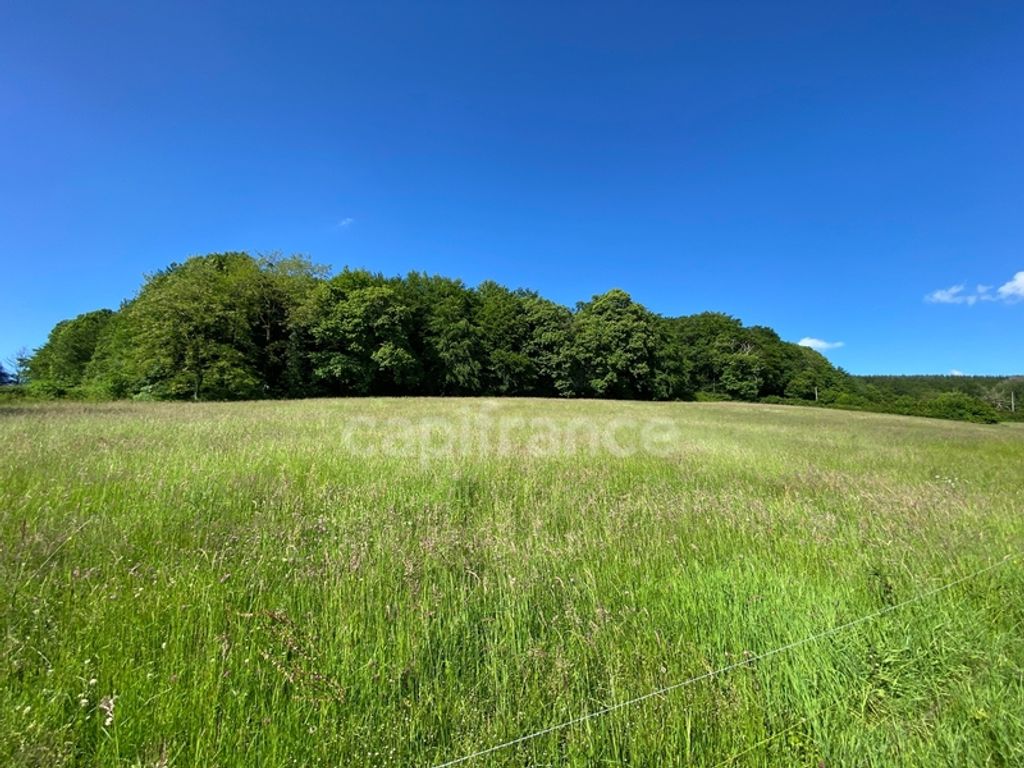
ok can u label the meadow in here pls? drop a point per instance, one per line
(407, 582)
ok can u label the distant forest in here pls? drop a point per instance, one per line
(230, 326)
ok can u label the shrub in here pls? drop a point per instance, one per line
(960, 406)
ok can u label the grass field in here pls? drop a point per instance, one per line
(405, 582)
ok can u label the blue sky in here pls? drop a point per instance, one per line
(821, 168)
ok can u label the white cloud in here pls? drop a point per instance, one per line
(819, 344)
(345, 223)
(956, 372)
(1014, 289)
(952, 295)
(1010, 292)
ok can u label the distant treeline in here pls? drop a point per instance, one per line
(917, 394)
(230, 326)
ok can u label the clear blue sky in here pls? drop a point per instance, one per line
(818, 167)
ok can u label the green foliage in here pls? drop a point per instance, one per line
(13, 393)
(356, 328)
(548, 340)
(215, 327)
(451, 338)
(910, 394)
(278, 292)
(706, 338)
(109, 374)
(741, 375)
(194, 329)
(961, 406)
(230, 326)
(59, 366)
(615, 347)
(505, 335)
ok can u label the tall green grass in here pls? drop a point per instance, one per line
(329, 583)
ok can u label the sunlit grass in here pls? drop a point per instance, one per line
(245, 584)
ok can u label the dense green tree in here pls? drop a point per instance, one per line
(805, 385)
(614, 348)
(445, 336)
(231, 326)
(774, 361)
(812, 377)
(741, 376)
(59, 366)
(675, 374)
(194, 330)
(110, 373)
(505, 334)
(549, 345)
(736, 363)
(524, 341)
(706, 338)
(957, 405)
(356, 332)
(282, 286)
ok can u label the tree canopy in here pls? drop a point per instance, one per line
(231, 326)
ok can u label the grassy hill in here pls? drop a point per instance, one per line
(408, 581)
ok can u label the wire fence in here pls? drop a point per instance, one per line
(747, 661)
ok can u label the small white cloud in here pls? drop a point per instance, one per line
(985, 293)
(1014, 289)
(1009, 293)
(956, 372)
(345, 223)
(819, 344)
(952, 295)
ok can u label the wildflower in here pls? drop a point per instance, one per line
(106, 705)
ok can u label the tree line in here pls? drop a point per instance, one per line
(233, 326)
